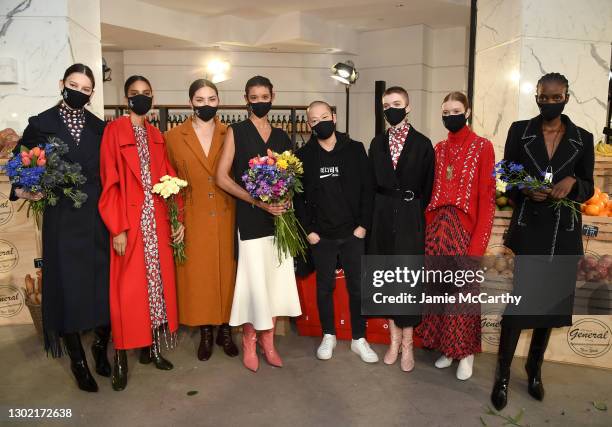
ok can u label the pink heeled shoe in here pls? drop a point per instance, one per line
(249, 347)
(394, 347)
(407, 361)
(266, 341)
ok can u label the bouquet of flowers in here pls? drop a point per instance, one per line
(275, 178)
(510, 175)
(169, 187)
(43, 170)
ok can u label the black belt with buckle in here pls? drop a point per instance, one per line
(407, 195)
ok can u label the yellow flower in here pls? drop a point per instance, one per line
(282, 163)
(165, 178)
(501, 186)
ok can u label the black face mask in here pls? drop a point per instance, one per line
(205, 112)
(551, 111)
(325, 129)
(74, 98)
(454, 123)
(260, 109)
(140, 104)
(395, 115)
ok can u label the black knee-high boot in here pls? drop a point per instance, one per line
(78, 362)
(507, 345)
(539, 342)
(99, 350)
(120, 371)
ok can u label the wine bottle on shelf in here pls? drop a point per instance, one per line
(223, 118)
(283, 123)
(289, 126)
(304, 127)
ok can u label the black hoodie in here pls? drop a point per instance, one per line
(355, 181)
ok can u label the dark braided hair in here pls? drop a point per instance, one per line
(554, 77)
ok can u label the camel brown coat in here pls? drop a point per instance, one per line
(205, 283)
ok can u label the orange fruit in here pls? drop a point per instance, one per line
(604, 197)
(582, 207)
(592, 210)
(593, 200)
(597, 191)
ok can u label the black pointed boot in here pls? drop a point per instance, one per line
(78, 363)
(507, 345)
(539, 342)
(224, 339)
(206, 342)
(99, 351)
(120, 371)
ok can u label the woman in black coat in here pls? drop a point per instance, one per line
(402, 161)
(75, 241)
(546, 240)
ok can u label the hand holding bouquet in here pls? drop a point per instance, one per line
(274, 179)
(169, 187)
(510, 174)
(43, 172)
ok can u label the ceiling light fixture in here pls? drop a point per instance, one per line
(218, 70)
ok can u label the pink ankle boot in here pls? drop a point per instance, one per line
(249, 347)
(394, 347)
(266, 341)
(407, 361)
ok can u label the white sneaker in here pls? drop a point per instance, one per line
(326, 349)
(443, 362)
(466, 365)
(362, 348)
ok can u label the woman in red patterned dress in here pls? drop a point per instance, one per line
(459, 220)
(143, 308)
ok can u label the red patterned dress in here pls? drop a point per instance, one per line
(459, 219)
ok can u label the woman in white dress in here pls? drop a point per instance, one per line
(265, 288)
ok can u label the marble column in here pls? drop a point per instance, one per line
(520, 40)
(39, 39)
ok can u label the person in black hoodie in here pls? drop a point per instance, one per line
(335, 209)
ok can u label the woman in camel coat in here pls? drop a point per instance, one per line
(205, 283)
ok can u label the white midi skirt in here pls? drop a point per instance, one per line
(264, 287)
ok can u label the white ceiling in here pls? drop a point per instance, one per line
(330, 19)
(361, 15)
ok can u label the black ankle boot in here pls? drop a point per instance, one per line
(206, 342)
(539, 342)
(507, 345)
(78, 363)
(145, 356)
(148, 355)
(99, 351)
(160, 362)
(120, 371)
(224, 339)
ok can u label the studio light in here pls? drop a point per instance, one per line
(346, 73)
(106, 72)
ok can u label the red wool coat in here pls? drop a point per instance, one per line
(120, 206)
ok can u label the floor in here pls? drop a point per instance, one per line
(306, 392)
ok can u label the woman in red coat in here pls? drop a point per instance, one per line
(142, 288)
(459, 221)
